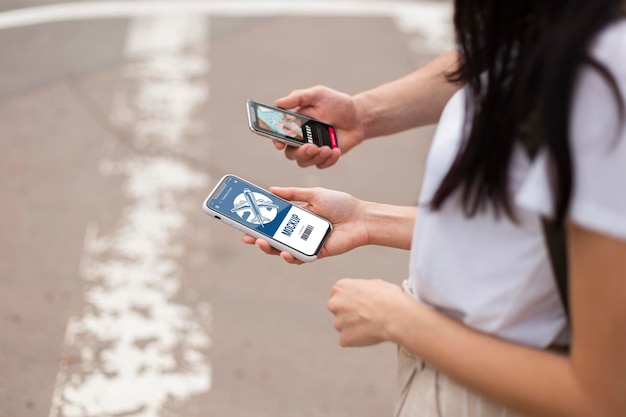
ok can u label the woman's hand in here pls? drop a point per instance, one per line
(344, 211)
(364, 309)
(329, 106)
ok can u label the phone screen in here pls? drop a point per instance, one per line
(269, 215)
(295, 128)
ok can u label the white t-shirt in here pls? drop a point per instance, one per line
(495, 275)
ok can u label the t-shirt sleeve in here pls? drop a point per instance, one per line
(598, 137)
(598, 146)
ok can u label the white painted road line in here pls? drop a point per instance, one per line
(136, 349)
(430, 19)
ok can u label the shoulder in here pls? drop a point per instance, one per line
(598, 137)
(599, 90)
(613, 32)
(609, 47)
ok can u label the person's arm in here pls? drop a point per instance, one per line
(355, 222)
(590, 381)
(412, 101)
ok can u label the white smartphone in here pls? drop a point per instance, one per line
(291, 128)
(259, 213)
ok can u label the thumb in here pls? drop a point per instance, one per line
(297, 99)
(291, 101)
(304, 195)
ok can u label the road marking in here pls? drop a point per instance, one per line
(135, 350)
(430, 21)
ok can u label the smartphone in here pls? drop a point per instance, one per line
(288, 127)
(259, 213)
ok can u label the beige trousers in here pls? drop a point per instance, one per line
(425, 392)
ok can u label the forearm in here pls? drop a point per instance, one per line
(531, 381)
(411, 101)
(389, 225)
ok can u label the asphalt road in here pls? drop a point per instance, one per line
(118, 296)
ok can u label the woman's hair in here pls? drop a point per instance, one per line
(520, 61)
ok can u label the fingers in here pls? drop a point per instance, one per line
(290, 259)
(330, 160)
(266, 248)
(311, 155)
(302, 153)
(248, 240)
(346, 321)
(335, 303)
(259, 243)
(279, 145)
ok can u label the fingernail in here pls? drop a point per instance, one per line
(310, 151)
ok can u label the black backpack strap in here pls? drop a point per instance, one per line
(554, 234)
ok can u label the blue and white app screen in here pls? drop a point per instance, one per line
(269, 215)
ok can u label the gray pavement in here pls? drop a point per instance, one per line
(118, 296)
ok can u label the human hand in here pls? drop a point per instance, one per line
(332, 107)
(363, 310)
(344, 211)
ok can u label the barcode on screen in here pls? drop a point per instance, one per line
(307, 232)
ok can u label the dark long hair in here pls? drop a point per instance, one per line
(521, 59)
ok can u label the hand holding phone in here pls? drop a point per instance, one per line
(288, 127)
(263, 215)
(348, 215)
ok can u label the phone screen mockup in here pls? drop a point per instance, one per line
(290, 127)
(269, 215)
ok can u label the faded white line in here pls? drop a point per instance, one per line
(429, 20)
(134, 350)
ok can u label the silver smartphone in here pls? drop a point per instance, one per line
(291, 128)
(259, 213)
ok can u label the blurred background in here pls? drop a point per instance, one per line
(118, 296)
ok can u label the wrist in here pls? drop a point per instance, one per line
(366, 114)
(410, 317)
(388, 225)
